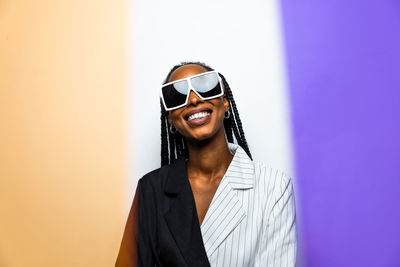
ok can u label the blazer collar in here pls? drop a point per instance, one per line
(226, 210)
(240, 173)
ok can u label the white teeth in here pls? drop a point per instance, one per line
(198, 115)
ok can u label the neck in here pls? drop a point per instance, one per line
(209, 158)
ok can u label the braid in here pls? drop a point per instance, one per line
(172, 156)
(235, 119)
(179, 146)
(228, 129)
(164, 141)
(174, 146)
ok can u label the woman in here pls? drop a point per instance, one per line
(209, 204)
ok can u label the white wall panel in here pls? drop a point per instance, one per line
(242, 40)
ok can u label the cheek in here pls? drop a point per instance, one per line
(173, 116)
(220, 107)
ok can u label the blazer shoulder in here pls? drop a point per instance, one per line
(273, 181)
(269, 173)
(155, 178)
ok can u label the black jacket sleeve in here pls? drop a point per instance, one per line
(147, 227)
(128, 252)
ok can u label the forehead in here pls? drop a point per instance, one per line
(186, 71)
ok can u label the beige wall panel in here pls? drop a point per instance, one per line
(62, 132)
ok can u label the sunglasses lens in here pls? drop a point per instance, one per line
(207, 85)
(175, 94)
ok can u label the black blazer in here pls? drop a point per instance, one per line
(168, 231)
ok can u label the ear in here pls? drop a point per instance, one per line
(226, 102)
(169, 118)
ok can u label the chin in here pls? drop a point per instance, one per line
(200, 137)
(202, 133)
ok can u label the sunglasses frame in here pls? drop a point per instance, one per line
(192, 89)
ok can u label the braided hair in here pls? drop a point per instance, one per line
(174, 145)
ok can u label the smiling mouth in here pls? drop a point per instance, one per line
(198, 115)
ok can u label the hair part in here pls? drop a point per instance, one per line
(174, 145)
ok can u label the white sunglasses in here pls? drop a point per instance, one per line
(207, 85)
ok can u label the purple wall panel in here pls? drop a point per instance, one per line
(343, 61)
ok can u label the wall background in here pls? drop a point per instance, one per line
(62, 137)
(241, 40)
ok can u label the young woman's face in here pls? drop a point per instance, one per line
(203, 127)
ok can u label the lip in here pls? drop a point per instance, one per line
(197, 110)
(198, 122)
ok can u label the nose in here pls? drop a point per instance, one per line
(194, 98)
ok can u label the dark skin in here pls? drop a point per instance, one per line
(209, 156)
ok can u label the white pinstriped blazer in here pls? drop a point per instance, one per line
(251, 219)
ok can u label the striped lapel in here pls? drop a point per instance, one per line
(226, 210)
